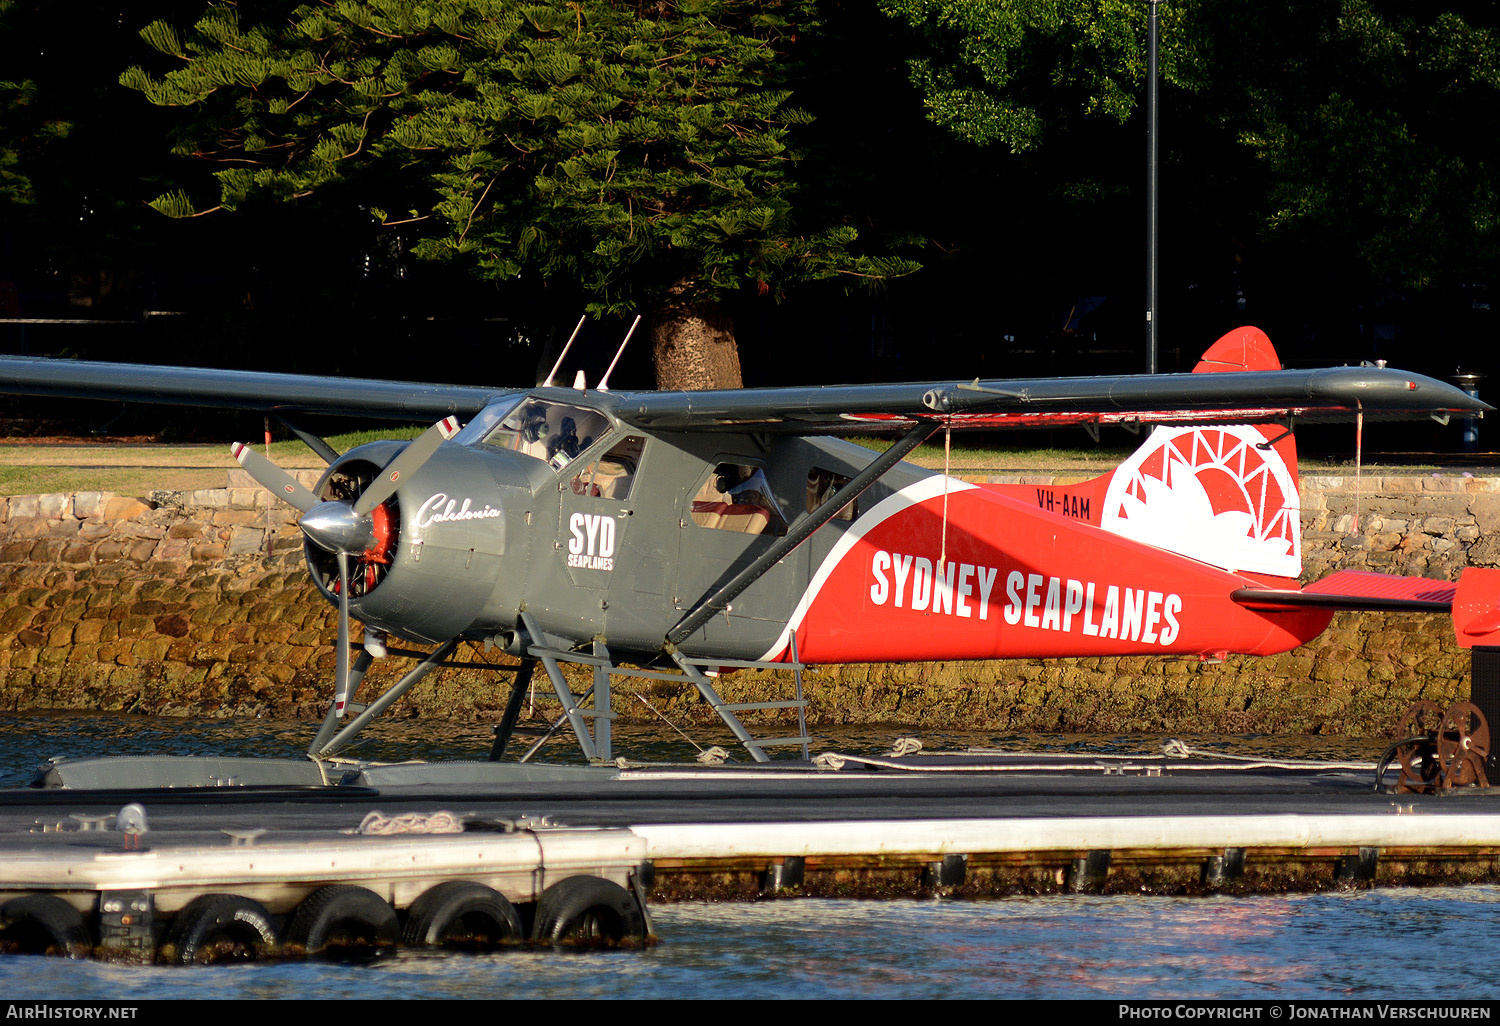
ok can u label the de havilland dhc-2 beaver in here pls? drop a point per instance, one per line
(648, 533)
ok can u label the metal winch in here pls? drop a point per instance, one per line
(1440, 748)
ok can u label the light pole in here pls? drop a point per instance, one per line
(1151, 193)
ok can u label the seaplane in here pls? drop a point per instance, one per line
(684, 534)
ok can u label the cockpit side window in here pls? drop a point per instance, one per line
(611, 475)
(821, 484)
(555, 433)
(737, 497)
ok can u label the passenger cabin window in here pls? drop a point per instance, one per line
(611, 475)
(821, 484)
(552, 432)
(737, 497)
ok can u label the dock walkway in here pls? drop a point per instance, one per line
(972, 824)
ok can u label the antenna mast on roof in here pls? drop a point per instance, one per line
(564, 353)
(604, 381)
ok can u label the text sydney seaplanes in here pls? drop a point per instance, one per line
(907, 581)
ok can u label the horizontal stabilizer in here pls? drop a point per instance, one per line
(1356, 590)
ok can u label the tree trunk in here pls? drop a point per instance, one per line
(692, 345)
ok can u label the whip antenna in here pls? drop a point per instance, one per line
(564, 353)
(604, 381)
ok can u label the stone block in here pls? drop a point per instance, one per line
(210, 497)
(174, 548)
(86, 505)
(110, 549)
(29, 527)
(239, 518)
(78, 552)
(62, 528)
(1321, 482)
(123, 507)
(55, 506)
(47, 550)
(15, 552)
(16, 618)
(139, 529)
(245, 541)
(150, 649)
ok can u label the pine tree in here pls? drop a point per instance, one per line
(640, 151)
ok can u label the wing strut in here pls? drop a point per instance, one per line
(312, 441)
(801, 531)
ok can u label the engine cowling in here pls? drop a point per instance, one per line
(437, 548)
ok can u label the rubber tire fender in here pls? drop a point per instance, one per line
(44, 924)
(343, 916)
(588, 911)
(462, 914)
(214, 928)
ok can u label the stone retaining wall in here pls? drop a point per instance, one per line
(173, 607)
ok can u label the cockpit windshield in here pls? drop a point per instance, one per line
(553, 432)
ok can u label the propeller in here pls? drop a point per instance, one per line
(408, 460)
(344, 528)
(275, 480)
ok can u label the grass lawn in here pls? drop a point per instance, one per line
(30, 468)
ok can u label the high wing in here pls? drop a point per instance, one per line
(1331, 394)
(1338, 393)
(242, 390)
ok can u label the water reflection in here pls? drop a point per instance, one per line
(1068, 946)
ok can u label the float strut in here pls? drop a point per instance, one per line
(512, 709)
(401, 687)
(331, 721)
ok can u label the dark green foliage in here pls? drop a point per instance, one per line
(635, 150)
(1360, 132)
(1016, 72)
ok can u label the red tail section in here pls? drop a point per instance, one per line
(1225, 496)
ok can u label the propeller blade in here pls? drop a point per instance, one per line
(273, 478)
(412, 457)
(341, 657)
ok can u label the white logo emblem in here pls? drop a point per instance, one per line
(1213, 494)
(591, 545)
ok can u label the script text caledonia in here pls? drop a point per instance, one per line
(1030, 600)
(440, 509)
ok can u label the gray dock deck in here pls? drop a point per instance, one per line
(976, 824)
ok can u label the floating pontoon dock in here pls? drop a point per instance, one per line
(276, 833)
